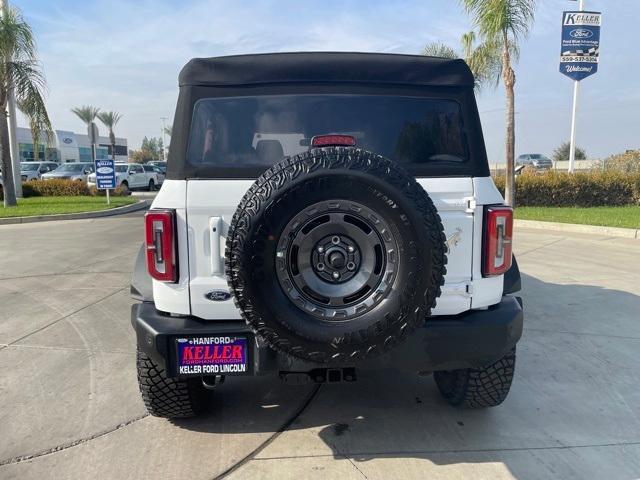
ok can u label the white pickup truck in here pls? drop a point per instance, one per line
(326, 213)
(132, 176)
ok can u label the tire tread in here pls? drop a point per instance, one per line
(478, 387)
(376, 339)
(168, 397)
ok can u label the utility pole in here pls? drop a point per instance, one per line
(11, 111)
(576, 87)
(164, 119)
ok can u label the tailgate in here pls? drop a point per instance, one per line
(212, 203)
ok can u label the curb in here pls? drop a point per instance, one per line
(134, 207)
(578, 228)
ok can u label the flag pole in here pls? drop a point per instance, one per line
(576, 88)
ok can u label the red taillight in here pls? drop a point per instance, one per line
(160, 245)
(498, 234)
(333, 140)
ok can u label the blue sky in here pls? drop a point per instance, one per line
(126, 56)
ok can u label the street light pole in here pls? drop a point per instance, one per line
(11, 112)
(164, 157)
(576, 88)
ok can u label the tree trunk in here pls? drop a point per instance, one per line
(7, 169)
(112, 137)
(509, 77)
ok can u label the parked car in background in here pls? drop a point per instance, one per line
(157, 171)
(34, 170)
(161, 164)
(131, 176)
(70, 171)
(535, 160)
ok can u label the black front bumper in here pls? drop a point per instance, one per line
(472, 339)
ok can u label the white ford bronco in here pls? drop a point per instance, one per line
(325, 213)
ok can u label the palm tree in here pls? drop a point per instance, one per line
(483, 59)
(167, 129)
(20, 71)
(502, 23)
(88, 115)
(110, 119)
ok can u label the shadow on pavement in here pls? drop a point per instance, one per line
(574, 388)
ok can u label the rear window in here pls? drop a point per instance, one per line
(256, 132)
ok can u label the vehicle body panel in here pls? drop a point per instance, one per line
(35, 170)
(535, 160)
(199, 203)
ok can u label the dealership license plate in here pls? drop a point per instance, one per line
(219, 355)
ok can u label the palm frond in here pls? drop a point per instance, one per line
(437, 49)
(16, 38)
(23, 74)
(86, 113)
(497, 18)
(109, 119)
(468, 40)
(33, 107)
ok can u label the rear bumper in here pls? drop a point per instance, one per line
(472, 339)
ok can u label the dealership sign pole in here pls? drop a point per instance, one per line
(105, 175)
(579, 56)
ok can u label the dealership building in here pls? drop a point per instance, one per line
(68, 147)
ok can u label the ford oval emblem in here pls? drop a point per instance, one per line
(217, 295)
(581, 33)
(67, 140)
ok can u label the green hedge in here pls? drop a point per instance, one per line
(54, 188)
(584, 189)
(117, 192)
(62, 188)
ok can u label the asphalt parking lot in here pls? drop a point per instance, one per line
(71, 408)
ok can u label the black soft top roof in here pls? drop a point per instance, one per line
(320, 67)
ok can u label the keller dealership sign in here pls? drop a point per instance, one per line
(580, 50)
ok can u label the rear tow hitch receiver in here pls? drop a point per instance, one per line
(212, 382)
(319, 375)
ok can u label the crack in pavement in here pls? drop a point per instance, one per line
(588, 334)
(440, 452)
(19, 277)
(74, 443)
(64, 446)
(66, 349)
(522, 254)
(346, 457)
(62, 318)
(272, 438)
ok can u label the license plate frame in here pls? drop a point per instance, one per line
(211, 355)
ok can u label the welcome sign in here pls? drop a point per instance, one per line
(580, 44)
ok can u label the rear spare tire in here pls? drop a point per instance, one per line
(335, 255)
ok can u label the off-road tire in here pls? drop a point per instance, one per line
(284, 191)
(478, 387)
(168, 397)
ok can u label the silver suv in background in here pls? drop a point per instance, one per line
(70, 171)
(34, 170)
(535, 160)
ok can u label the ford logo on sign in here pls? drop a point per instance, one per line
(67, 140)
(581, 33)
(217, 295)
(104, 170)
